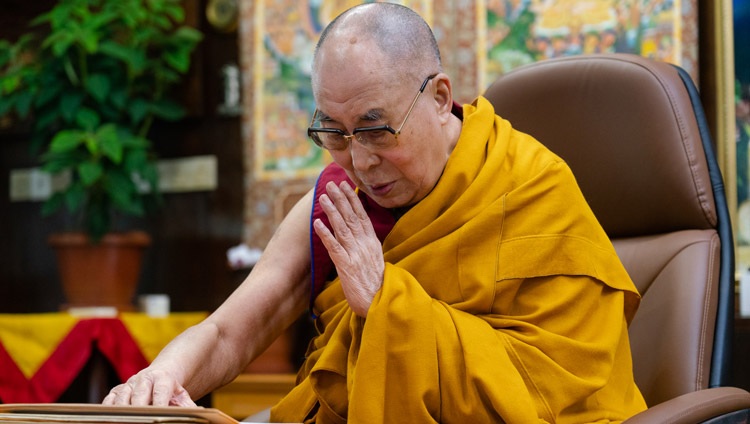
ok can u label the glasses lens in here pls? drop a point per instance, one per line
(376, 138)
(329, 140)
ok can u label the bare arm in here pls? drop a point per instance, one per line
(213, 352)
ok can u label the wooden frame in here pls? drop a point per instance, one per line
(716, 84)
(717, 93)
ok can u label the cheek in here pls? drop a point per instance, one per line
(342, 159)
(413, 167)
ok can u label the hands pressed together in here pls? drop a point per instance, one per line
(354, 249)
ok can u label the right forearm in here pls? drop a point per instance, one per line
(212, 353)
(191, 359)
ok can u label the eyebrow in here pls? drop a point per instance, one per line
(371, 115)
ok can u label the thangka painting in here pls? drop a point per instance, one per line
(285, 34)
(524, 31)
(741, 19)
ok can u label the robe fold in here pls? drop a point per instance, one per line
(503, 300)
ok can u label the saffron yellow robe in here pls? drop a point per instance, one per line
(503, 301)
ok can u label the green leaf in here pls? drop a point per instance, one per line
(23, 102)
(90, 41)
(135, 160)
(100, 20)
(92, 144)
(168, 110)
(58, 162)
(110, 142)
(98, 85)
(119, 98)
(138, 110)
(187, 33)
(175, 11)
(134, 57)
(90, 172)
(50, 92)
(53, 204)
(115, 50)
(45, 118)
(131, 141)
(87, 119)
(10, 83)
(66, 140)
(59, 42)
(69, 104)
(122, 190)
(75, 196)
(162, 22)
(179, 59)
(41, 19)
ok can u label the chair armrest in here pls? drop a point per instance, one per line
(695, 407)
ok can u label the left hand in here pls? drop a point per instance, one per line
(355, 249)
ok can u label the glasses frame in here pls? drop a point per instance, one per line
(312, 131)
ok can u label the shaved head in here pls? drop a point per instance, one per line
(400, 34)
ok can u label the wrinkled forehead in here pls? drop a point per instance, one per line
(356, 87)
(348, 61)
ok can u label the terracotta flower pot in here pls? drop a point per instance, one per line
(103, 274)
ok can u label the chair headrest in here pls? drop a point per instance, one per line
(627, 128)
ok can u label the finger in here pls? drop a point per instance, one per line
(181, 398)
(111, 397)
(364, 224)
(142, 389)
(334, 248)
(163, 392)
(120, 395)
(346, 214)
(338, 200)
(347, 232)
(354, 201)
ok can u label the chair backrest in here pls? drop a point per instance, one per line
(634, 134)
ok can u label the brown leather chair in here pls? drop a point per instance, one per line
(634, 133)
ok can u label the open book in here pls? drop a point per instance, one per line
(97, 413)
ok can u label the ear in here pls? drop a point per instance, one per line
(443, 95)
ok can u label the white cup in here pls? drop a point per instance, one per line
(154, 305)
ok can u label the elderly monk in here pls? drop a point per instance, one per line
(456, 271)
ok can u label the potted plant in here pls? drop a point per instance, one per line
(90, 78)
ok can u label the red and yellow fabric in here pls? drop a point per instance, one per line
(503, 300)
(41, 354)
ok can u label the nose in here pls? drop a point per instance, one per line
(362, 158)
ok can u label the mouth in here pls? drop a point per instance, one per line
(380, 189)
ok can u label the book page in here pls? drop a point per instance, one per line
(97, 413)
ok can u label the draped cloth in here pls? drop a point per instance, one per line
(502, 301)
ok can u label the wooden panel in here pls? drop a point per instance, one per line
(249, 394)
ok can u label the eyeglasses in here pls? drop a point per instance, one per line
(375, 138)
